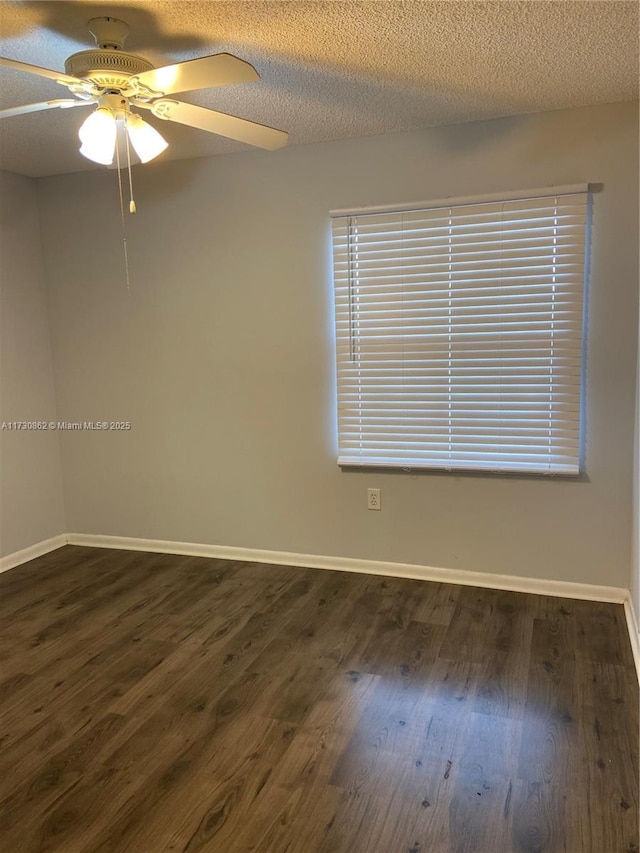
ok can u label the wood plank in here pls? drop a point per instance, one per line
(549, 758)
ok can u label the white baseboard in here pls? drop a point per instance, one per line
(634, 631)
(564, 589)
(33, 551)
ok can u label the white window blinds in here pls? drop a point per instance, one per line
(459, 334)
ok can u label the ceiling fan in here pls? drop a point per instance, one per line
(117, 81)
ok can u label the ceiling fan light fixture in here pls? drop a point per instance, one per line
(98, 136)
(146, 141)
(117, 81)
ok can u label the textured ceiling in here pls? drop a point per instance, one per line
(329, 70)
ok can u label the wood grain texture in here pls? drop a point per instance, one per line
(153, 703)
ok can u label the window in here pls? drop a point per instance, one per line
(459, 333)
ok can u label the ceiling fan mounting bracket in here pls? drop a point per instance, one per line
(142, 92)
(162, 109)
(85, 91)
(109, 33)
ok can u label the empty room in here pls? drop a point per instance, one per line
(319, 426)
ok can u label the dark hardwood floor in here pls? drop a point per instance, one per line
(153, 703)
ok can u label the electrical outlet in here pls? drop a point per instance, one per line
(373, 498)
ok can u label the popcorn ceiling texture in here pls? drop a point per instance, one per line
(330, 70)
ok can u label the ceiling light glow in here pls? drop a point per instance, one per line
(146, 140)
(98, 137)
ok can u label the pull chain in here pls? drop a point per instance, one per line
(132, 204)
(124, 230)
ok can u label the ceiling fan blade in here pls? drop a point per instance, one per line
(224, 125)
(218, 70)
(63, 103)
(57, 76)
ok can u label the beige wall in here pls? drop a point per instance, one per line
(31, 506)
(221, 354)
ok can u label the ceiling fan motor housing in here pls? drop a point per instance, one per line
(107, 65)
(107, 68)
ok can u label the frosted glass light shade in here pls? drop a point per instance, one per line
(146, 140)
(98, 137)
